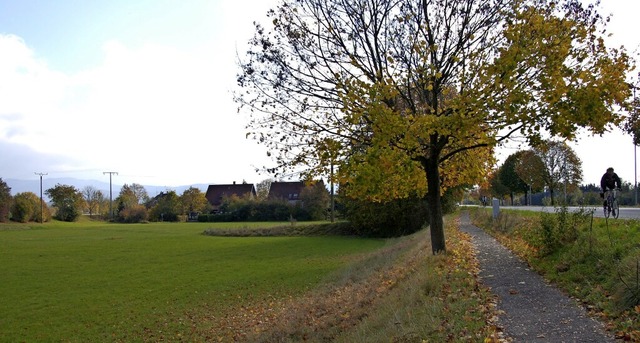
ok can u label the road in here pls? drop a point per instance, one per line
(625, 212)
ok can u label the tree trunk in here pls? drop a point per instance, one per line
(436, 224)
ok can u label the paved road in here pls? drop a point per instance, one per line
(625, 212)
(531, 309)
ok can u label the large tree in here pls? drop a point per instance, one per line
(315, 200)
(131, 195)
(497, 188)
(262, 189)
(415, 85)
(193, 200)
(167, 207)
(632, 125)
(509, 177)
(562, 166)
(67, 200)
(531, 169)
(93, 198)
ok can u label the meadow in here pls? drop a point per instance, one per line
(97, 281)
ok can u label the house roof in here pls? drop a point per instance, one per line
(215, 193)
(287, 190)
(154, 201)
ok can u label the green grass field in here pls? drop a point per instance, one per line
(96, 281)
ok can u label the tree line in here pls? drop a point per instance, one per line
(67, 203)
(547, 174)
(383, 218)
(134, 205)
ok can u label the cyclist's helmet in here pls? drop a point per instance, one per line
(609, 169)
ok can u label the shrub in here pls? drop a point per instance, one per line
(24, 207)
(133, 214)
(240, 210)
(627, 294)
(167, 207)
(68, 213)
(548, 234)
(558, 229)
(386, 219)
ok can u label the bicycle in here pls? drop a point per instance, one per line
(611, 208)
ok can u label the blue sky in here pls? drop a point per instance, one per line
(142, 87)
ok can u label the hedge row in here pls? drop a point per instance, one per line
(260, 212)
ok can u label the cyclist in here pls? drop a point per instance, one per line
(609, 181)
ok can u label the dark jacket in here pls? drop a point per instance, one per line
(610, 181)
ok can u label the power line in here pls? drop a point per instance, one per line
(110, 192)
(41, 201)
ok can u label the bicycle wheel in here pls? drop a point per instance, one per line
(615, 208)
(607, 208)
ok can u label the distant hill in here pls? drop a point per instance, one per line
(21, 186)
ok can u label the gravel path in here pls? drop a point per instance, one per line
(533, 311)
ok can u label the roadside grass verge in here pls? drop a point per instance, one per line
(306, 229)
(398, 293)
(595, 260)
(95, 282)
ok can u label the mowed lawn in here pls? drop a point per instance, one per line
(96, 281)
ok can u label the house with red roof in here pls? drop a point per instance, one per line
(217, 193)
(289, 191)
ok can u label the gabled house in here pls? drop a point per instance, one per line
(288, 190)
(155, 200)
(216, 193)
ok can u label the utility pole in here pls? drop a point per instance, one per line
(333, 201)
(41, 201)
(635, 158)
(110, 192)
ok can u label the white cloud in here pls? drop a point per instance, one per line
(30, 93)
(150, 111)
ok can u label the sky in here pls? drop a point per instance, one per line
(143, 88)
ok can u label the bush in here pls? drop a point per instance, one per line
(386, 219)
(133, 214)
(559, 229)
(271, 210)
(627, 294)
(167, 208)
(68, 213)
(241, 210)
(549, 240)
(24, 207)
